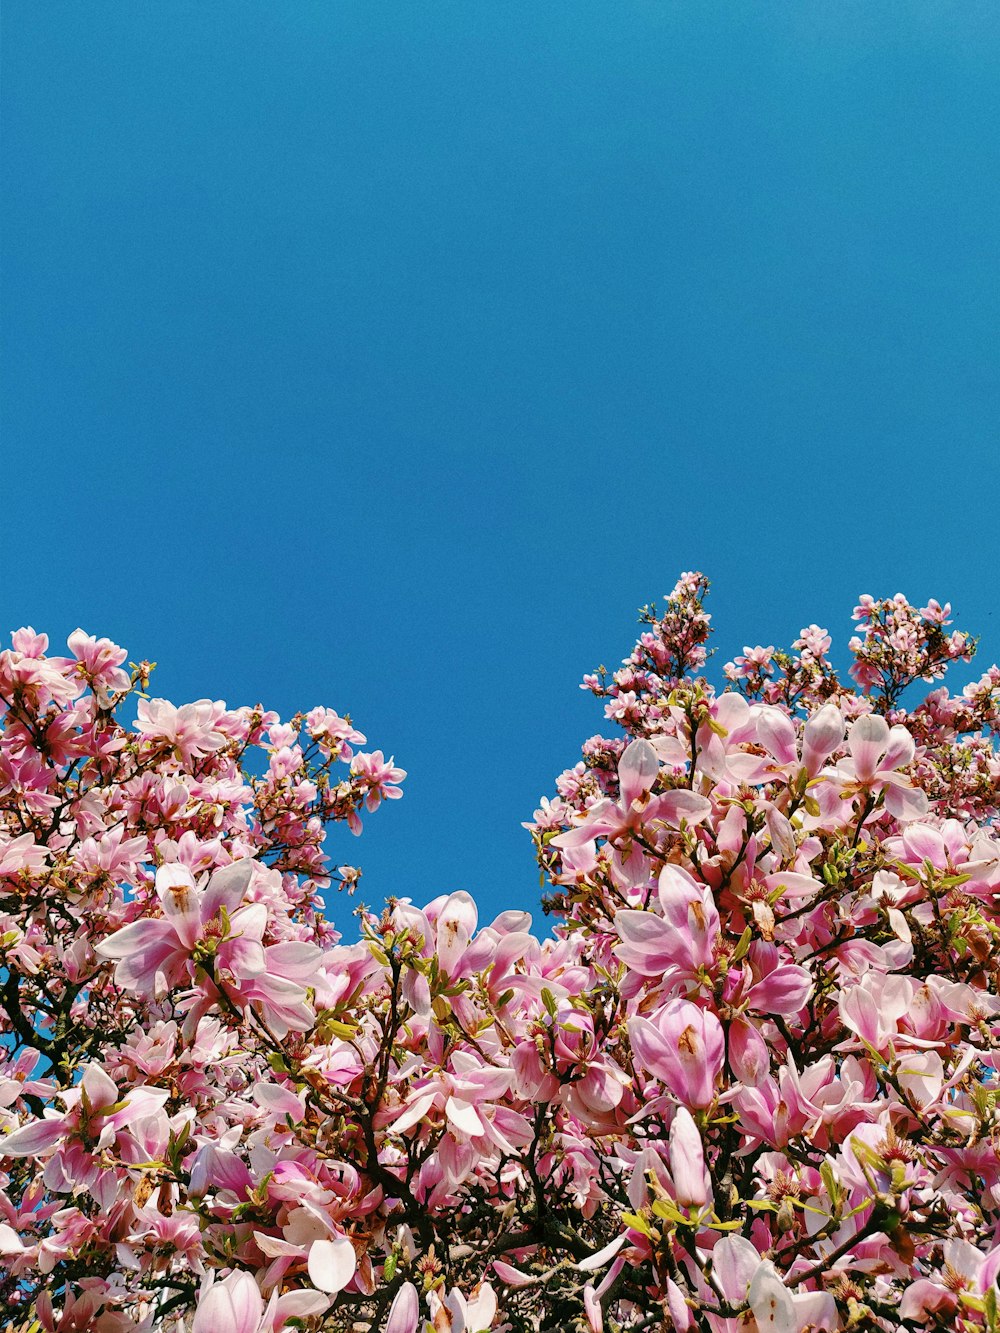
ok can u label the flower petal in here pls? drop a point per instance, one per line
(332, 1264)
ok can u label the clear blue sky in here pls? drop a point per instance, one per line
(389, 355)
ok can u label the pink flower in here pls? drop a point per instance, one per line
(156, 953)
(778, 1310)
(877, 752)
(21, 854)
(821, 735)
(681, 942)
(232, 1305)
(637, 772)
(692, 1183)
(192, 730)
(404, 1313)
(100, 661)
(684, 1047)
(380, 776)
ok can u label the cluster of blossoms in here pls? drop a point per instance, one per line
(748, 1082)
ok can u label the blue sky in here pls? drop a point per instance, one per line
(390, 355)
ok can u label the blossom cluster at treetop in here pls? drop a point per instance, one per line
(748, 1081)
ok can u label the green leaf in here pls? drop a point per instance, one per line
(637, 1223)
(338, 1029)
(744, 944)
(832, 1185)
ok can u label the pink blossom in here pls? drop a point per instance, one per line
(232, 1305)
(155, 953)
(684, 1047)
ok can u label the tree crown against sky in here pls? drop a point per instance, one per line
(750, 1078)
(430, 275)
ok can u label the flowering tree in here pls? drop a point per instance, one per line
(749, 1081)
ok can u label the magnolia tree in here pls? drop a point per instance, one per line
(750, 1080)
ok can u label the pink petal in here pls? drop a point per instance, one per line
(867, 742)
(924, 1298)
(404, 1313)
(100, 1090)
(771, 1301)
(181, 901)
(227, 888)
(903, 801)
(139, 936)
(215, 1313)
(10, 1241)
(815, 1310)
(278, 1100)
(233, 1305)
(602, 1256)
(299, 1305)
(822, 734)
(990, 1269)
(637, 771)
(901, 749)
(592, 1309)
(748, 1053)
(734, 1262)
(296, 960)
(248, 1304)
(464, 1117)
(646, 942)
(793, 885)
(783, 991)
(680, 1311)
(687, 1161)
(332, 1264)
(602, 818)
(674, 806)
(648, 1045)
(32, 1139)
(508, 1274)
(922, 843)
(776, 733)
(414, 1113)
(455, 926)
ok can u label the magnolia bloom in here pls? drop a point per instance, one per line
(692, 1184)
(774, 731)
(155, 953)
(233, 1305)
(822, 734)
(778, 1310)
(744, 1277)
(592, 1309)
(676, 945)
(964, 1267)
(379, 775)
(876, 753)
(21, 854)
(96, 1112)
(331, 1263)
(684, 1047)
(404, 1313)
(638, 770)
(192, 729)
(466, 1316)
